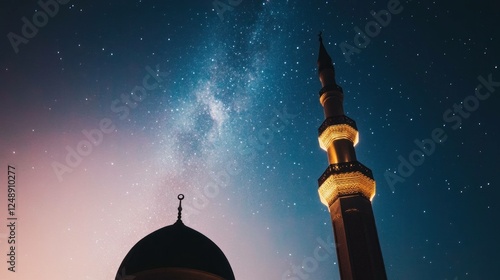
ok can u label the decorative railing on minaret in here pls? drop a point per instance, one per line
(347, 186)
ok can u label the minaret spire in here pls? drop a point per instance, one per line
(347, 186)
(326, 70)
(324, 59)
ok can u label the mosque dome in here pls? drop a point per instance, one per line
(175, 252)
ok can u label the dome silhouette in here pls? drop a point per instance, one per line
(175, 252)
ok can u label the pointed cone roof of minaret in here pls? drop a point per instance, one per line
(324, 60)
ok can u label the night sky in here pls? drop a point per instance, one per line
(110, 109)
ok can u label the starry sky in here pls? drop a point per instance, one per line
(111, 108)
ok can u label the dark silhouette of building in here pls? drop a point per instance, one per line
(347, 186)
(175, 252)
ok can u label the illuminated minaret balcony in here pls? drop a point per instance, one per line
(344, 179)
(337, 128)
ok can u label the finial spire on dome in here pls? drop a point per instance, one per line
(179, 215)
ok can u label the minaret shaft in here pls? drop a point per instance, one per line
(347, 186)
(341, 151)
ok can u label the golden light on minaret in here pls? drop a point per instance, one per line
(346, 187)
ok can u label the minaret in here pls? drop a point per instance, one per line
(347, 186)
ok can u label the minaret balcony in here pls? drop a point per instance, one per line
(347, 178)
(336, 128)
